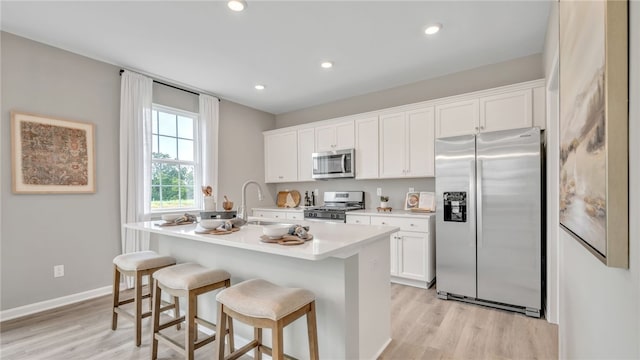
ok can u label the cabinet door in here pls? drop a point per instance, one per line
(367, 148)
(345, 135)
(269, 214)
(457, 118)
(325, 138)
(393, 250)
(421, 140)
(281, 157)
(335, 136)
(306, 147)
(412, 255)
(506, 111)
(392, 145)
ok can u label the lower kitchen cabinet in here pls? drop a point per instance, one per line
(277, 215)
(412, 249)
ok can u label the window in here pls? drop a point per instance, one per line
(175, 159)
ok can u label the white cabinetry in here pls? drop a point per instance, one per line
(493, 112)
(367, 148)
(457, 118)
(306, 147)
(510, 110)
(412, 249)
(276, 215)
(281, 156)
(336, 136)
(407, 144)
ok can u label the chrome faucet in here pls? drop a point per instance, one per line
(242, 210)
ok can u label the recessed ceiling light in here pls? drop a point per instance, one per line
(259, 87)
(432, 29)
(237, 5)
(326, 64)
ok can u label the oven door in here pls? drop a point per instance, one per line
(334, 164)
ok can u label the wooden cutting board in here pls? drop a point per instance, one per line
(288, 199)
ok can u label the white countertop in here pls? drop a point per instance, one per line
(393, 213)
(329, 239)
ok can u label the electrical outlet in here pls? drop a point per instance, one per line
(379, 191)
(411, 189)
(58, 271)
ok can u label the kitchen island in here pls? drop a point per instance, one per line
(345, 265)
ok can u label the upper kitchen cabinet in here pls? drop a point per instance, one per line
(335, 136)
(281, 156)
(407, 144)
(509, 107)
(457, 118)
(510, 110)
(306, 148)
(367, 148)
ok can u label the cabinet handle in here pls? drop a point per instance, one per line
(384, 223)
(476, 128)
(481, 127)
(279, 177)
(357, 221)
(411, 225)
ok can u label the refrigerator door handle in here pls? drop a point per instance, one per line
(479, 202)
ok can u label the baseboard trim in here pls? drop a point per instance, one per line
(30, 309)
(383, 348)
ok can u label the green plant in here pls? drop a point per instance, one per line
(384, 198)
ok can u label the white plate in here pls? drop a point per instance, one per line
(170, 217)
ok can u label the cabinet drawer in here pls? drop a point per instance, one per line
(358, 219)
(295, 216)
(270, 214)
(405, 224)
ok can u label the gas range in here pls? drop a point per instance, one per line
(336, 205)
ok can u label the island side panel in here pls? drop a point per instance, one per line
(374, 297)
(326, 278)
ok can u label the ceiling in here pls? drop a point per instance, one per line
(203, 45)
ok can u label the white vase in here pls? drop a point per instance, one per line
(384, 204)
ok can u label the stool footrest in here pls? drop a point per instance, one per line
(124, 313)
(243, 350)
(205, 323)
(171, 323)
(203, 342)
(129, 301)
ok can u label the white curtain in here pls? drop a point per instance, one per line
(135, 157)
(209, 109)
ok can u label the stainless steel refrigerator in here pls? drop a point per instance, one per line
(489, 223)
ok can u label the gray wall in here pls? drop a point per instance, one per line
(485, 77)
(83, 231)
(40, 231)
(599, 306)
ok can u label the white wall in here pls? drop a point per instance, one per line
(83, 231)
(600, 306)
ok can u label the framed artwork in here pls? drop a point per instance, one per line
(412, 200)
(50, 155)
(594, 188)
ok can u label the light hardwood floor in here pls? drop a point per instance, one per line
(423, 327)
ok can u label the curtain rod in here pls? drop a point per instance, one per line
(173, 86)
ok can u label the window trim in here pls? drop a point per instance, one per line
(197, 162)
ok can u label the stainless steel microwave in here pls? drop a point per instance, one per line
(334, 164)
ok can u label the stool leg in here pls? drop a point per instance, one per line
(222, 324)
(150, 285)
(191, 325)
(312, 330)
(257, 334)
(138, 304)
(276, 336)
(116, 297)
(232, 346)
(176, 310)
(155, 315)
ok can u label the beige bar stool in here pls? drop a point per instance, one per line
(187, 280)
(137, 265)
(262, 304)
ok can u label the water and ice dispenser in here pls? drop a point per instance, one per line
(455, 206)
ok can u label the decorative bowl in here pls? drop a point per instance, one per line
(275, 231)
(211, 224)
(170, 217)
